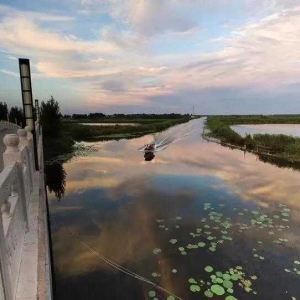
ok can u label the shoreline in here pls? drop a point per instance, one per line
(210, 139)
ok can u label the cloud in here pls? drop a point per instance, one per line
(37, 16)
(120, 64)
(147, 18)
(10, 73)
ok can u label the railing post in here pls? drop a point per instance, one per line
(24, 142)
(5, 282)
(12, 152)
(30, 146)
(12, 155)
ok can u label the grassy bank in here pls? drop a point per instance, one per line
(258, 119)
(80, 132)
(72, 131)
(279, 145)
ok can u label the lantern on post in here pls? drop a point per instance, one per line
(27, 100)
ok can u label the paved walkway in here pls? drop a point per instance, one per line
(2, 146)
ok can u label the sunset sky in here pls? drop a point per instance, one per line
(132, 56)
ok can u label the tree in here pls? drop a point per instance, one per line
(16, 114)
(3, 111)
(50, 117)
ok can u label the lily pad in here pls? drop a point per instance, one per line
(174, 271)
(156, 251)
(208, 269)
(235, 277)
(227, 284)
(152, 294)
(217, 289)
(195, 288)
(201, 244)
(230, 298)
(173, 241)
(193, 281)
(171, 297)
(208, 294)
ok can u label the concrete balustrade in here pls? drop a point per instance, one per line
(22, 199)
(4, 125)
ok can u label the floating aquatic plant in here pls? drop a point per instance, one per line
(217, 289)
(152, 294)
(192, 280)
(195, 288)
(208, 269)
(156, 251)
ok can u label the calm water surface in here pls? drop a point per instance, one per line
(200, 220)
(288, 129)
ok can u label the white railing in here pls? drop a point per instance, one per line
(4, 125)
(16, 187)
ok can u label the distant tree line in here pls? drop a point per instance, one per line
(92, 116)
(14, 114)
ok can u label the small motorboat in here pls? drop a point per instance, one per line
(149, 156)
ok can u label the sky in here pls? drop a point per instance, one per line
(154, 56)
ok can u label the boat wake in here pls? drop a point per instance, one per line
(163, 140)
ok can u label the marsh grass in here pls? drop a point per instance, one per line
(273, 144)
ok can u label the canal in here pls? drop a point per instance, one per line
(200, 221)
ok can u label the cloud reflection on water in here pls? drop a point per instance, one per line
(120, 196)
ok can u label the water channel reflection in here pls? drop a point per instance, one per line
(194, 206)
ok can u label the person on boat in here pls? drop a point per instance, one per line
(149, 147)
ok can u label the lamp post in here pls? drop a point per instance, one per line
(37, 110)
(27, 100)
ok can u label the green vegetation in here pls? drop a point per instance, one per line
(60, 133)
(251, 119)
(81, 132)
(15, 114)
(280, 145)
(56, 141)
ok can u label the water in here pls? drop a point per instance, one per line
(110, 124)
(227, 211)
(287, 129)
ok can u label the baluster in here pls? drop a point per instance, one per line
(14, 190)
(12, 152)
(5, 209)
(22, 133)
